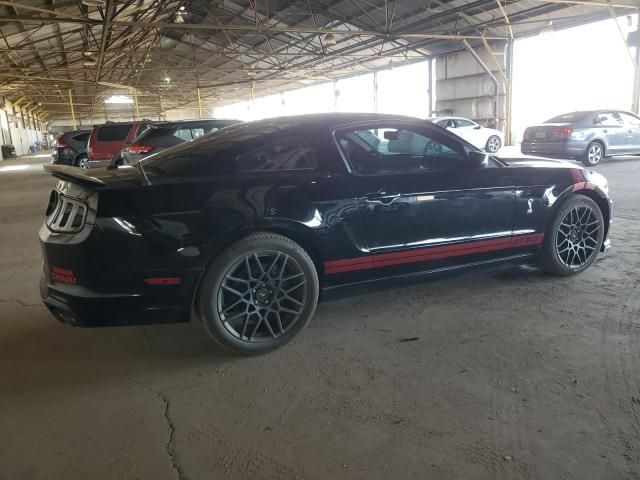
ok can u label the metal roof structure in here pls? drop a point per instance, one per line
(168, 52)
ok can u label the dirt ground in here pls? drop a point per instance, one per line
(507, 375)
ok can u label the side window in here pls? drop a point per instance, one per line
(465, 123)
(630, 120)
(289, 154)
(608, 119)
(184, 134)
(388, 150)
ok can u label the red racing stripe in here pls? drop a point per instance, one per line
(432, 253)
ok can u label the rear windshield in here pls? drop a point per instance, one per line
(209, 154)
(568, 117)
(113, 133)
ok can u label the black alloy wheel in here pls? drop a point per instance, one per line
(574, 238)
(259, 293)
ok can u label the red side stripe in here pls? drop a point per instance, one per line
(431, 253)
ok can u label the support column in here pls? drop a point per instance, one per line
(199, 103)
(375, 91)
(430, 87)
(135, 101)
(508, 91)
(635, 103)
(73, 113)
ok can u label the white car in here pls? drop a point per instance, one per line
(486, 139)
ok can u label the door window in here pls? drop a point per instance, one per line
(465, 123)
(608, 119)
(447, 123)
(630, 120)
(389, 150)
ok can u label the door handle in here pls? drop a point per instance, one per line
(605, 131)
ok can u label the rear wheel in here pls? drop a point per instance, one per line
(493, 144)
(593, 154)
(574, 237)
(82, 162)
(259, 294)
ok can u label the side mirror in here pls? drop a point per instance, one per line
(477, 127)
(478, 159)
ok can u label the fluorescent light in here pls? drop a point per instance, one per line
(119, 99)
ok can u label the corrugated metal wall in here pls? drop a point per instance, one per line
(464, 89)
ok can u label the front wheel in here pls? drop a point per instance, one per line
(574, 238)
(259, 293)
(593, 154)
(493, 144)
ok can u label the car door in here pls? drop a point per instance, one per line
(611, 126)
(423, 206)
(632, 132)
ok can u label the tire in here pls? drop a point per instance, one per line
(593, 154)
(493, 144)
(248, 283)
(574, 237)
(82, 162)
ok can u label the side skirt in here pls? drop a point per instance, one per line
(520, 259)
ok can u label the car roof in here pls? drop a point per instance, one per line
(433, 119)
(110, 124)
(329, 120)
(196, 121)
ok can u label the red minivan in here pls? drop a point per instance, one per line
(107, 140)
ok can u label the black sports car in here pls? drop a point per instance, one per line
(246, 226)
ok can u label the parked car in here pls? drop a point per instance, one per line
(488, 139)
(159, 136)
(588, 136)
(248, 224)
(106, 141)
(70, 148)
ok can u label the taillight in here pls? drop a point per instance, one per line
(527, 134)
(60, 141)
(138, 149)
(561, 132)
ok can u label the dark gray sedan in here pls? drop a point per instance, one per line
(587, 136)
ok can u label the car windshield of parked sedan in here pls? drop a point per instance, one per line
(572, 117)
(203, 155)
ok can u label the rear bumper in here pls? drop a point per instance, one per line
(99, 163)
(553, 149)
(84, 308)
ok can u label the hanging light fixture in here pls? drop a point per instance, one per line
(330, 40)
(94, 3)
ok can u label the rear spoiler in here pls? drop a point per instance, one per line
(73, 174)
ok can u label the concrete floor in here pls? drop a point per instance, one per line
(513, 375)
